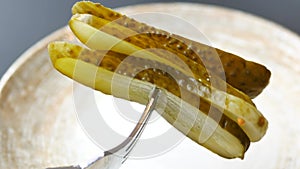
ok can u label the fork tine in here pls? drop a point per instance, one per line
(126, 146)
(136, 133)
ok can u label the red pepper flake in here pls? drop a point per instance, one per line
(261, 121)
(241, 122)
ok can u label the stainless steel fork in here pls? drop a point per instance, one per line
(114, 158)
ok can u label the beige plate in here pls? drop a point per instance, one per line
(38, 125)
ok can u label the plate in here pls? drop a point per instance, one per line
(39, 124)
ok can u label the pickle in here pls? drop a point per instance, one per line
(62, 52)
(254, 124)
(145, 41)
(249, 77)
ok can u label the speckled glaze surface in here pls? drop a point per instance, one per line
(38, 125)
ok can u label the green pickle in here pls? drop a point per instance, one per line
(210, 84)
(248, 77)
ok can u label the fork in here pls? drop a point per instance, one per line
(115, 157)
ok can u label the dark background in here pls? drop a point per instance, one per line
(24, 22)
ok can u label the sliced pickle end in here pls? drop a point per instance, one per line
(94, 9)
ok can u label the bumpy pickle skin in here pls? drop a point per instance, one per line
(249, 77)
(114, 62)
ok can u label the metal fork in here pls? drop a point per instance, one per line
(114, 158)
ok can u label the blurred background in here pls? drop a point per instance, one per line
(23, 23)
